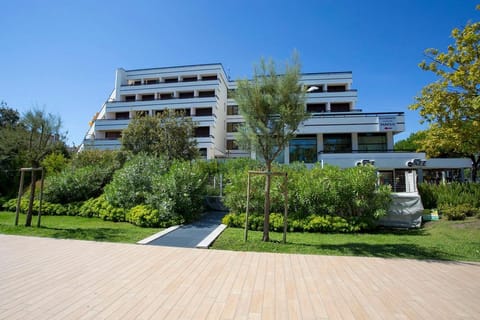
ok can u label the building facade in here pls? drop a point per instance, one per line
(336, 133)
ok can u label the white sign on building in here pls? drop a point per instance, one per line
(387, 123)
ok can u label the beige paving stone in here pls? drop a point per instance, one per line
(45, 278)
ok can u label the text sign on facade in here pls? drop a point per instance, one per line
(387, 123)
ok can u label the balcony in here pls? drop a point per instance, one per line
(344, 122)
(103, 144)
(111, 124)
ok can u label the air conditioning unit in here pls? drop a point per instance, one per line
(416, 163)
(364, 162)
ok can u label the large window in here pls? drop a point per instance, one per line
(202, 132)
(303, 148)
(372, 142)
(232, 110)
(337, 143)
(233, 126)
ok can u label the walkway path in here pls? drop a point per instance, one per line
(45, 278)
(188, 236)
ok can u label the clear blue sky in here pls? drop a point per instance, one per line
(63, 54)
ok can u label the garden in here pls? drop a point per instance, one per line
(119, 196)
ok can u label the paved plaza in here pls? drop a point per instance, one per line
(43, 278)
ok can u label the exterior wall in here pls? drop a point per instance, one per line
(330, 100)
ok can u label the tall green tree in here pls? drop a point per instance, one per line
(10, 147)
(412, 143)
(42, 135)
(451, 105)
(169, 134)
(273, 106)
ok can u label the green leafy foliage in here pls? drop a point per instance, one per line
(169, 134)
(48, 208)
(451, 104)
(54, 163)
(311, 223)
(317, 191)
(132, 184)
(72, 185)
(452, 194)
(182, 189)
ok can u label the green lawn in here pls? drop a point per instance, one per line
(80, 228)
(445, 240)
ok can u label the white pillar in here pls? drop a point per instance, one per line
(354, 141)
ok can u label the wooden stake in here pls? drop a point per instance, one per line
(19, 200)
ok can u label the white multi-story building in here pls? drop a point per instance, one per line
(336, 133)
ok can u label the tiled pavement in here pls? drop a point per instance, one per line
(44, 278)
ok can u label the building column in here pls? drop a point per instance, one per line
(286, 154)
(354, 142)
(389, 141)
(319, 146)
(328, 108)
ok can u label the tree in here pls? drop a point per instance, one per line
(8, 116)
(41, 137)
(412, 143)
(273, 107)
(451, 105)
(169, 134)
(9, 148)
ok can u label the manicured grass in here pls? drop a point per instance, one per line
(80, 228)
(444, 240)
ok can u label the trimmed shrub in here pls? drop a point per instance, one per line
(99, 207)
(312, 223)
(48, 208)
(459, 212)
(143, 216)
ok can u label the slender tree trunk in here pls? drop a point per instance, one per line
(28, 222)
(266, 212)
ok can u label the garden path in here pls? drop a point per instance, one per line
(190, 235)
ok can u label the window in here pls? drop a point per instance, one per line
(185, 95)
(122, 115)
(337, 143)
(170, 80)
(315, 88)
(166, 96)
(233, 126)
(372, 142)
(151, 81)
(141, 114)
(316, 107)
(340, 107)
(135, 82)
(113, 135)
(232, 110)
(303, 149)
(202, 132)
(203, 112)
(209, 78)
(203, 152)
(232, 145)
(336, 88)
(189, 79)
(148, 97)
(130, 98)
(205, 94)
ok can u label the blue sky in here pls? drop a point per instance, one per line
(62, 55)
